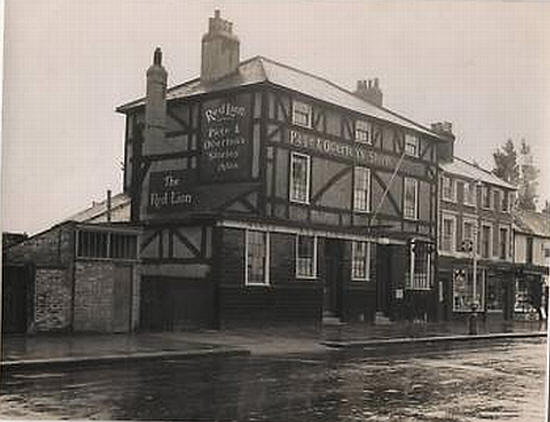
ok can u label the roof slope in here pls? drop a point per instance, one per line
(120, 211)
(532, 222)
(463, 168)
(260, 69)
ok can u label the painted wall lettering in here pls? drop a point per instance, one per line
(169, 191)
(225, 144)
(357, 153)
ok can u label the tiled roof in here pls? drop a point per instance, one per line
(260, 69)
(460, 167)
(98, 210)
(532, 222)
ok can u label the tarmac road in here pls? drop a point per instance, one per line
(485, 380)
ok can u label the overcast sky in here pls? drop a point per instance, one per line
(482, 65)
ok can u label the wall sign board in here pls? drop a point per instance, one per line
(170, 191)
(225, 154)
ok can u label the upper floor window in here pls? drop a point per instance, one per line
(410, 202)
(503, 243)
(448, 189)
(448, 233)
(257, 258)
(361, 189)
(511, 200)
(363, 131)
(301, 114)
(104, 244)
(469, 194)
(496, 199)
(505, 202)
(468, 227)
(486, 241)
(529, 250)
(411, 145)
(306, 256)
(300, 170)
(360, 261)
(486, 197)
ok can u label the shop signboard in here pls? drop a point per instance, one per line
(170, 191)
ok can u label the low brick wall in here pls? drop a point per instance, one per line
(52, 300)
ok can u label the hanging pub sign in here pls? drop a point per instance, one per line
(225, 154)
(168, 191)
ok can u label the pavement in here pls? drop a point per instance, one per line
(34, 351)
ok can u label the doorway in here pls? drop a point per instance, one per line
(383, 278)
(332, 306)
(122, 289)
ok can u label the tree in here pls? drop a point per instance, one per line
(528, 179)
(518, 169)
(506, 166)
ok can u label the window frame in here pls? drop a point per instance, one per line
(108, 244)
(295, 105)
(296, 257)
(266, 259)
(486, 189)
(409, 136)
(367, 257)
(452, 182)
(416, 188)
(291, 192)
(481, 238)
(365, 209)
(368, 131)
(453, 219)
(412, 261)
(472, 194)
(473, 222)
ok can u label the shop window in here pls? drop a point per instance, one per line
(106, 245)
(301, 114)
(503, 243)
(411, 145)
(300, 170)
(448, 233)
(495, 294)
(420, 264)
(523, 300)
(410, 206)
(448, 189)
(463, 290)
(361, 189)
(363, 132)
(257, 258)
(360, 261)
(469, 196)
(306, 256)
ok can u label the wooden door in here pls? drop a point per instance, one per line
(383, 278)
(15, 282)
(122, 292)
(333, 278)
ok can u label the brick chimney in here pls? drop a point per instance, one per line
(445, 150)
(369, 90)
(155, 101)
(220, 50)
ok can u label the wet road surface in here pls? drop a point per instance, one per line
(478, 381)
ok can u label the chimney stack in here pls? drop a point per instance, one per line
(220, 50)
(369, 90)
(155, 102)
(445, 150)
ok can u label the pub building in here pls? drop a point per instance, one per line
(270, 195)
(476, 218)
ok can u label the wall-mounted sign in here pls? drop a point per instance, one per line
(169, 191)
(225, 140)
(355, 152)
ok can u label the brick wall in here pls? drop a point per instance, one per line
(51, 248)
(93, 296)
(52, 300)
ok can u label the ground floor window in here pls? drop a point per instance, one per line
(495, 294)
(463, 289)
(419, 266)
(306, 256)
(257, 258)
(360, 261)
(105, 244)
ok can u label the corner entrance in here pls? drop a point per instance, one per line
(332, 304)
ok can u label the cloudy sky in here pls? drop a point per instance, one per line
(482, 65)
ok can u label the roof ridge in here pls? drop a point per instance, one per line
(347, 91)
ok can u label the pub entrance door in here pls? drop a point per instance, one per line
(383, 279)
(332, 306)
